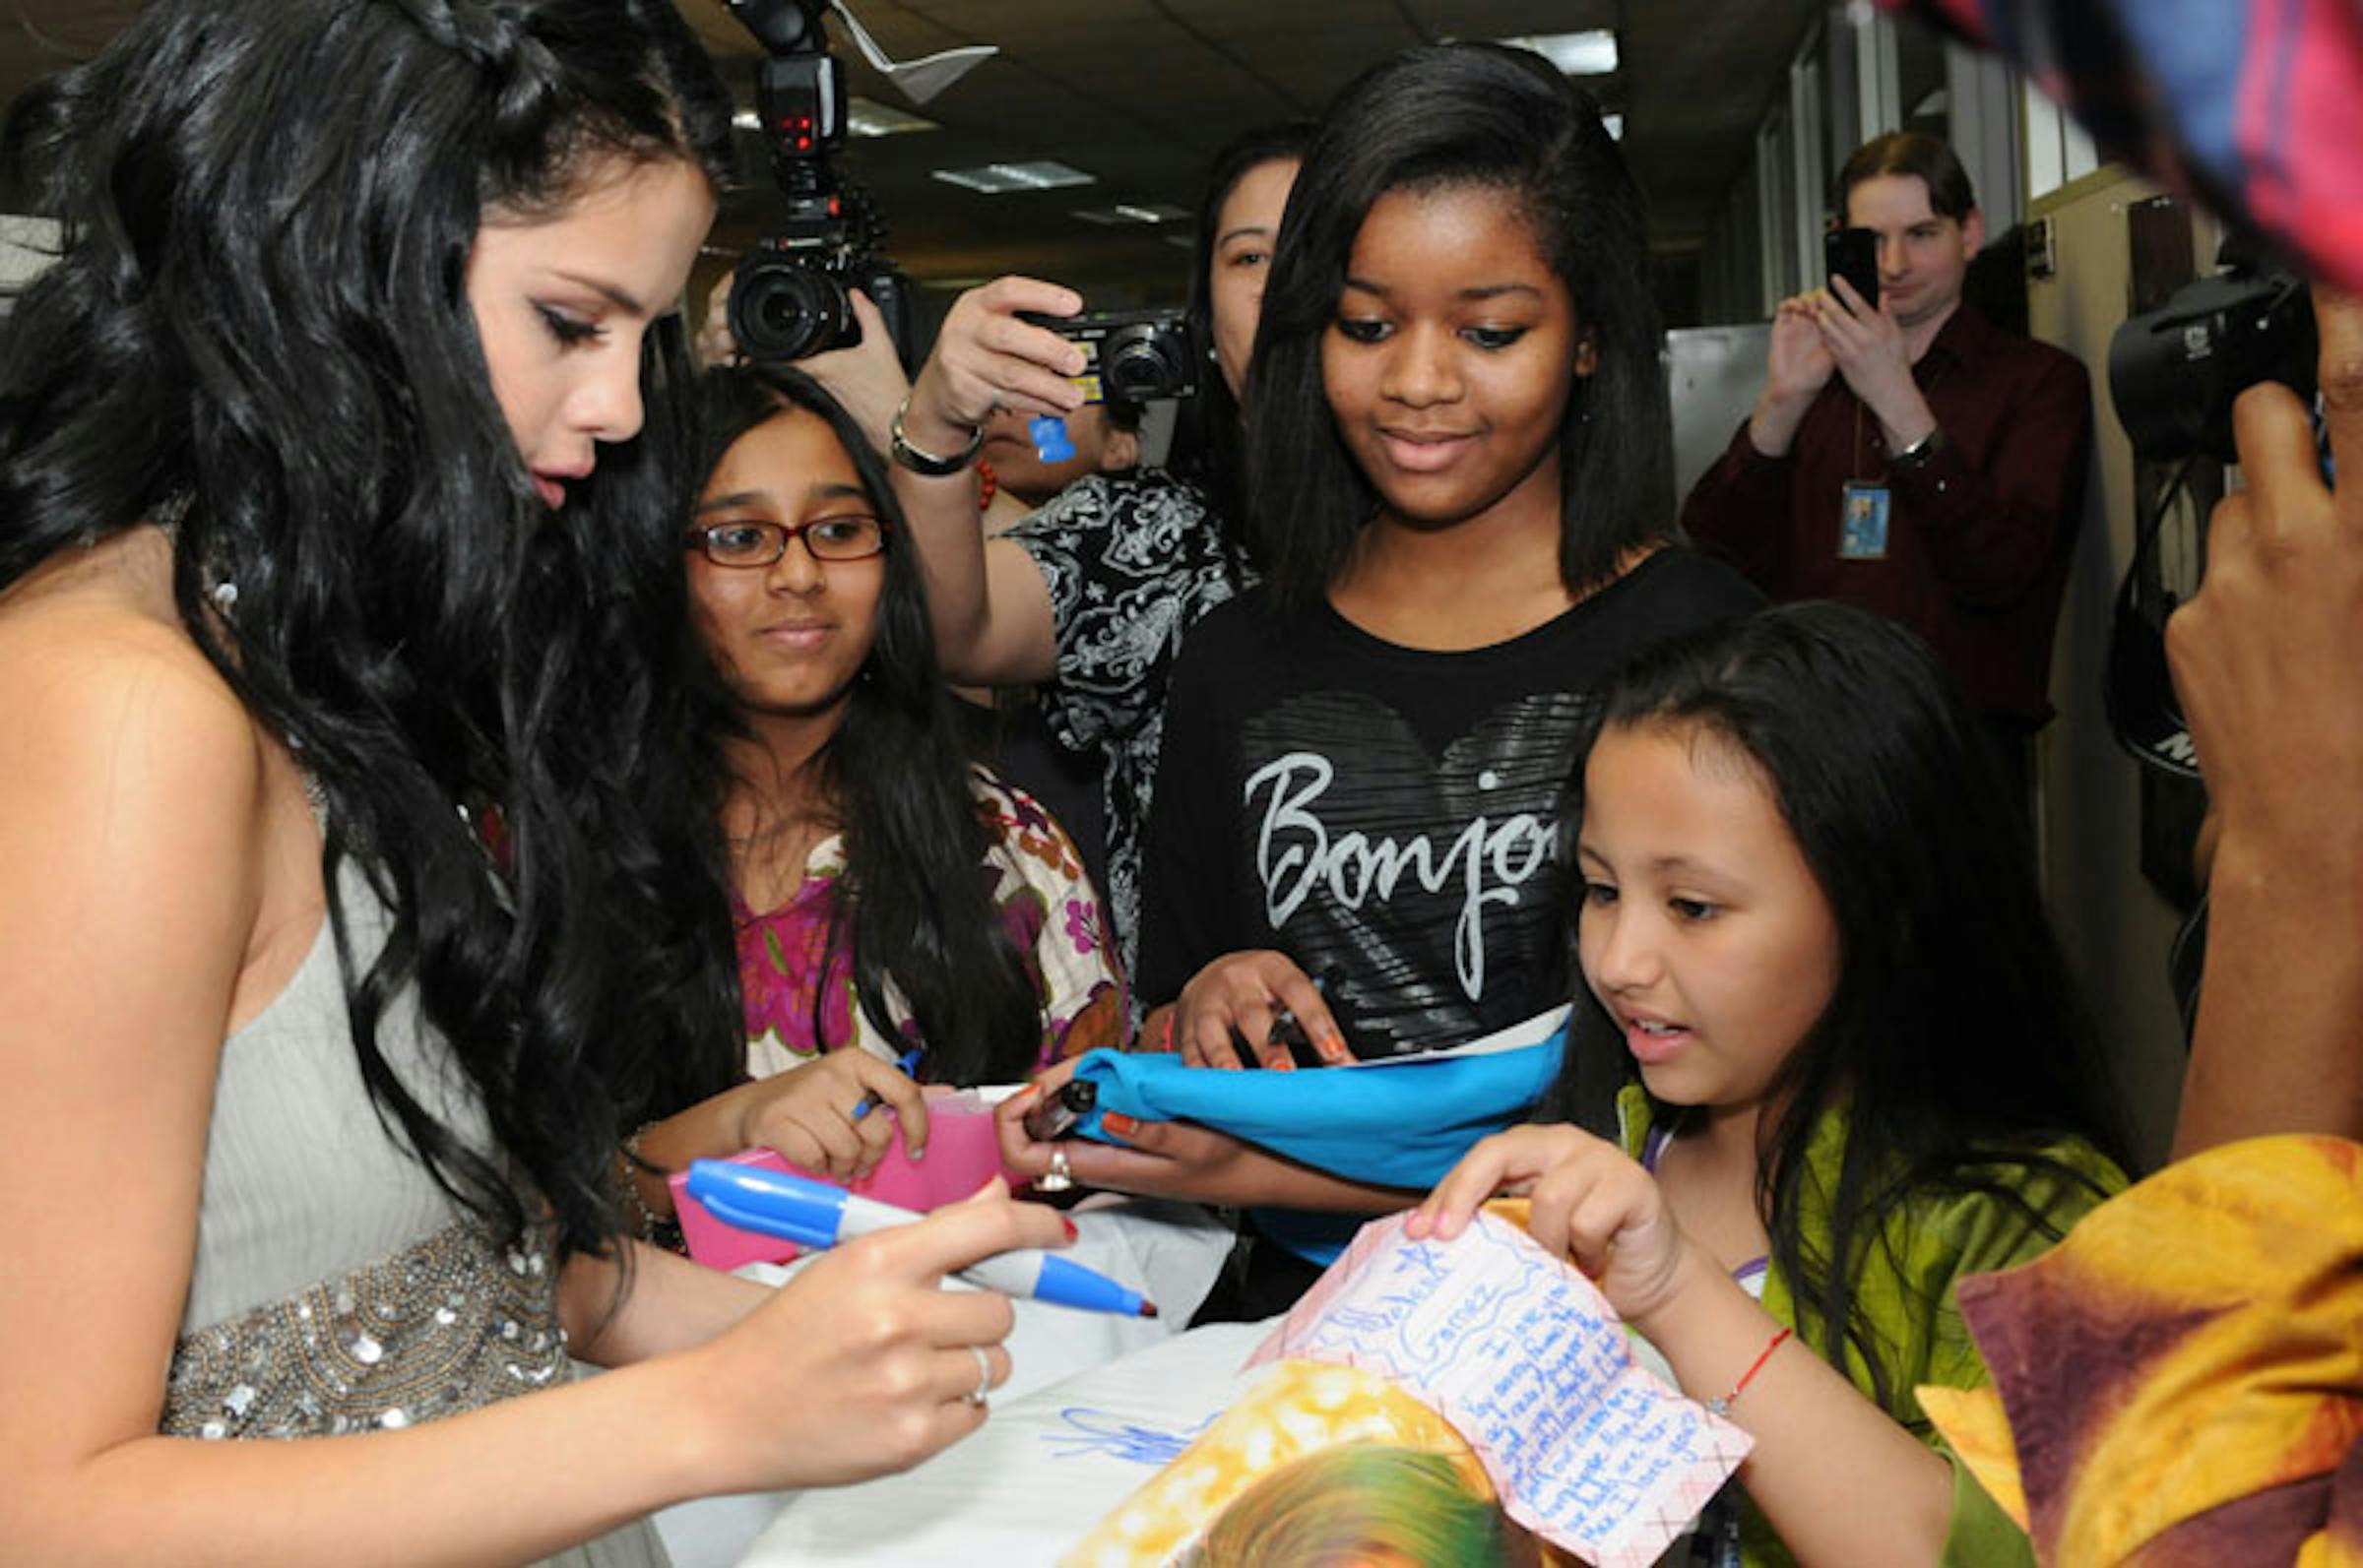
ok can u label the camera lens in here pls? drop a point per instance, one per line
(782, 310)
(1137, 366)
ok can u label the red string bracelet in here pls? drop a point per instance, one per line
(1722, 1406)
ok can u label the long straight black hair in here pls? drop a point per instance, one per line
(1209, 444)
(1461, 114)
(259, 331)
(914, 903)
(1955, 1042)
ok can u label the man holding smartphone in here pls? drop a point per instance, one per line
(1908, 455)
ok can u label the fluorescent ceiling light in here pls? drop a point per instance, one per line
(1151, 212)
(1591, 53)
(997, 179)
(747, 120)
(862, 117)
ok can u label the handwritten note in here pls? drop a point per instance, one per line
(1529, 1363)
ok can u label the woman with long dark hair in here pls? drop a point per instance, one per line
(1457, 453)
(1858, 1068)
(320, 446)
(888, 895)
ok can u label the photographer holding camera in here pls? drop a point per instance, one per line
(1909, 457)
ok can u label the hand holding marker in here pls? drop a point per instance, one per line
(908, 1065)
(816, 1215)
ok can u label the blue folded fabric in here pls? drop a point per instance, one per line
(1404, 1124)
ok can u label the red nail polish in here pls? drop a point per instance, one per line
(1071, 1231)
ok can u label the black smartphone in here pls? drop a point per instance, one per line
(1853, 254)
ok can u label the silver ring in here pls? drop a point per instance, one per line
(976, 1396)
(1060, 1177)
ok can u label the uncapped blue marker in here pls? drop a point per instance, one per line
(813, 1214)
(907, 1064)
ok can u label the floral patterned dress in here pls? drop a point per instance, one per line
(1040, 893)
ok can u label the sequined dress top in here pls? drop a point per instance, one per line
(336, 1289)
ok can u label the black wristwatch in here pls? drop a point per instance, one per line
(927, 463)
(1914, 457)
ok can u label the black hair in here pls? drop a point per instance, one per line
(258, 333)
(1954, 1039)
(914, 903)
(1441, 115)
(1208, 446)
(1914, 155)
(1122, 413)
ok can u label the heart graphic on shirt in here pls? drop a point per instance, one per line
(1414, 875)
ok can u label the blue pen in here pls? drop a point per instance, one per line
(813, 1214)
(907, 1064)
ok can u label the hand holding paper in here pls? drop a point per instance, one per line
(1589, 1201)
(1529, 1363)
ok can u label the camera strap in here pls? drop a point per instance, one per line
(2144, 712)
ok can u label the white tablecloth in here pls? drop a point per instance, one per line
(1169, 1252)
(1045, 1470)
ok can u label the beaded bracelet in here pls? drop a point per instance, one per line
(658, 1229)
(1722, 1406)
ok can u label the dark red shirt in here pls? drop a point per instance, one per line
(1978, 538)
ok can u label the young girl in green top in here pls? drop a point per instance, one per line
(1862, 1070)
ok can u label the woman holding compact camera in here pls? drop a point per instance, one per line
(1089, 599)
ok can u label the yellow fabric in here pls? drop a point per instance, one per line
(1301, 1408)
(1973, 1422)
(2195, 1346)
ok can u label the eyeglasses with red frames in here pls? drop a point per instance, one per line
(756, 543)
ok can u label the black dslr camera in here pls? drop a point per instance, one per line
(1137, 356)
(2173, 371)
(788, 296)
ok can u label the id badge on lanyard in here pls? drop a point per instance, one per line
(1862, 520)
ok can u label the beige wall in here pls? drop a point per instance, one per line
(2116, 927)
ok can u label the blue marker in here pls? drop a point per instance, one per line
(907, 1064)
(813, 1214)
